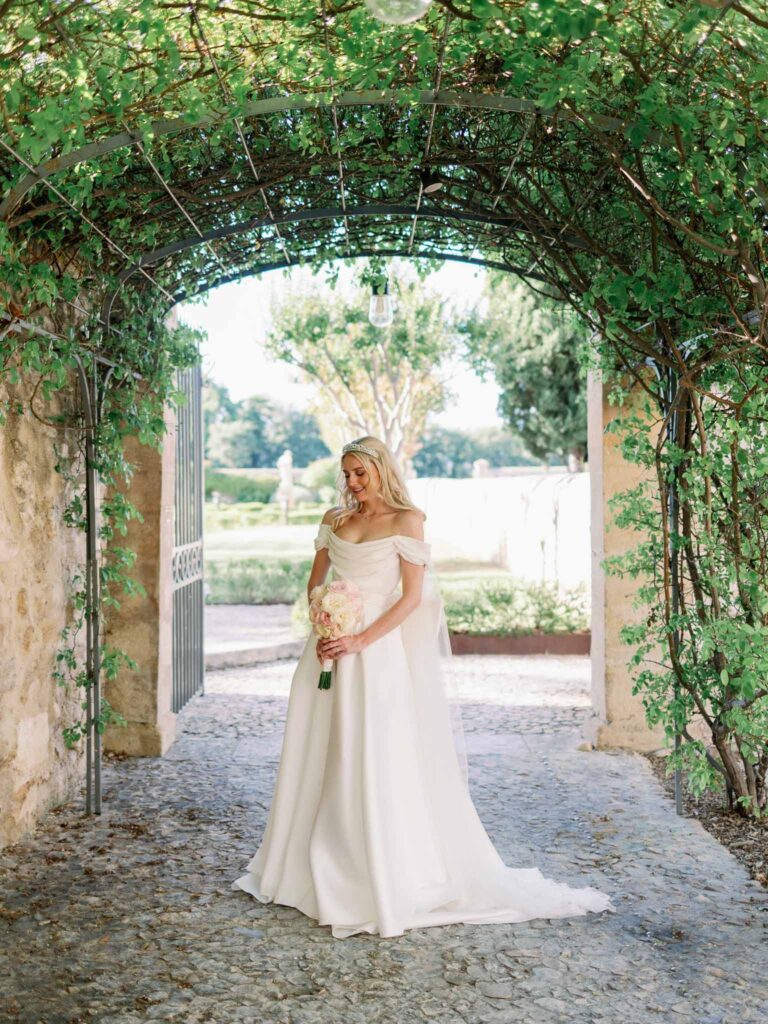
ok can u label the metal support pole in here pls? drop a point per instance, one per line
(92, 392)
(673, 515)
(89, 395)
(669, 383)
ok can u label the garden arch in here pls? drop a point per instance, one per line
(155, 151)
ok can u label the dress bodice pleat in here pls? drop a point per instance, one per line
(374, 565)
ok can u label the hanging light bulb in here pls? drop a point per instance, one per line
(398, 12)
(430, 182)
(380, 310)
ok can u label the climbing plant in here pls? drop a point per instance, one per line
(142, 382)
(701, 650)
(612, 153)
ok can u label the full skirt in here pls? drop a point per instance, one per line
(371, 828)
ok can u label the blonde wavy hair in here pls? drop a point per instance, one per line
(392, 487)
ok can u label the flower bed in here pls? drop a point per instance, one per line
(530, 643)
(508, 607)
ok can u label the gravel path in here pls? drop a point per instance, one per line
(232, 626)
(129, 917)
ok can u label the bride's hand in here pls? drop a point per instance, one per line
(342, 645)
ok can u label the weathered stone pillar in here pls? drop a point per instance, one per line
(143, 625)
(39, 559)
(618, 718)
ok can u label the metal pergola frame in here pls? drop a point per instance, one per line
(468, 250)
(43, 172)
(359, 254)
(280, 104)
(331, 213)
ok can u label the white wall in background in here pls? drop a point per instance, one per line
(536, 525)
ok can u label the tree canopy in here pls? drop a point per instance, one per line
(613, 149)
(255, 432)
(536, 348)
(452, 453)
(368, 379)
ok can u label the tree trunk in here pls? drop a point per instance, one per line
(576, 460)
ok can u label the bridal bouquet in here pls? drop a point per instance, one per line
(335, 608)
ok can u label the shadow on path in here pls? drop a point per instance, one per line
(129, 917)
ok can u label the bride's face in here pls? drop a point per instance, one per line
(364, 485)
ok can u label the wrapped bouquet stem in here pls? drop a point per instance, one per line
(335, 609)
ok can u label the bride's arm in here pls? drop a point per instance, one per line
(319, 571)
(322, 562)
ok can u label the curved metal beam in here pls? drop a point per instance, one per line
(326, 213)
(278, 104)
(362, 254)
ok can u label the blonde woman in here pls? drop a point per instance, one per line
(372, 827)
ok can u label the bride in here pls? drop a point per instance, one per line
(372, 827)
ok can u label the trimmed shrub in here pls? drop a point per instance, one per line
(238, 488)
(256, 513)
(499, 607)
(256, 581)
(510, 607)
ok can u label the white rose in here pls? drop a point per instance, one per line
(349, 620)
(333, 602)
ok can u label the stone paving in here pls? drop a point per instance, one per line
(230, 626)
(129, 917)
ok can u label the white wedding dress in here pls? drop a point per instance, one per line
(372, 827)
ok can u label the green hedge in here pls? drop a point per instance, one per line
(256, 581)
(257, 513)
(238, 488)
(510, 607)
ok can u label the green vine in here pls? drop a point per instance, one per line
(611, 152)
(700, 651)
(133, 406)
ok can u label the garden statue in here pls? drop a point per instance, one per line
(285, 487)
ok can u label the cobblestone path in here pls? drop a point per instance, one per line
(129, 917)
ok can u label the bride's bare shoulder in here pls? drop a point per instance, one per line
(329, 515)
(410, 522)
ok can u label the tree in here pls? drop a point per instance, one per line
(501, 447)
(218, 406)
(369, 380)
(256, 431)
(452, 452)
(242, 441)
(218, 412)
(445, 452)
(298, 430)
(535, 347)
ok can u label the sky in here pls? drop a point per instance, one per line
(236, 319)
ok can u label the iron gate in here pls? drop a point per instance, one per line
(187, 566)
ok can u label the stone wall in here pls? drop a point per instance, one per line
(142, 625)
(618, 718)
(38, 557)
